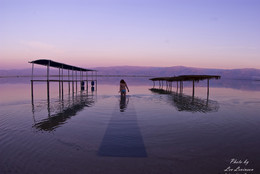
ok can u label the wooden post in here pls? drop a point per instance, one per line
(32, 71)
(48, 69)
(72, 81)
(177, 86)
(208, 90)
(48, 91)
(96, 80)
(193, 89)
(32, 91)
(87, 81)
(181, 86)
(48, 83)
(62, 81)
(32, 98)
(48, 98)
(76, 82)
(59, 82)
(69, 80)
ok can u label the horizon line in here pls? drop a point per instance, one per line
(1, 69)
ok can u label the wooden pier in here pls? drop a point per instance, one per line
(74, 76)
(180, 79)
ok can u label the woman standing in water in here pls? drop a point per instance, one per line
(123, 87)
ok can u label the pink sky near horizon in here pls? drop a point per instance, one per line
(217, 34)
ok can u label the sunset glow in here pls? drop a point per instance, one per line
(91, 33)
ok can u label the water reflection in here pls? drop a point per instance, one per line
(123, 103)
(183, 102)
(61, 109)
(67, 109)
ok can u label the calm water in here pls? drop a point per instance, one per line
(148, 131)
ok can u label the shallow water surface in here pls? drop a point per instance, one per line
(150, 130)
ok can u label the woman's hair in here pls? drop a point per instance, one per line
(122, 81)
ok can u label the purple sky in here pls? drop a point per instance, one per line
(90, 33)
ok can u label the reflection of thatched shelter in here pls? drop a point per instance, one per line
(56, 120)
(188, 103)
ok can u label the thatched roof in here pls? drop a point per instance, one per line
(186, 78)
(51, 63)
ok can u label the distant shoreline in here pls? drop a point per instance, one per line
(149, 72)
(17, 76)
(138, 76)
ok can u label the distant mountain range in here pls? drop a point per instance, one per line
(249, 73)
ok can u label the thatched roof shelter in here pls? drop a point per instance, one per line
(186, 78)
(51, 63)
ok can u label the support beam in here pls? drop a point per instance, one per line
(181, 87)
(48, 98)
(59, 84)
(62, 81)
(96, 80)
(76, 82)
(72, 81)
(193, 88)
(48, 70)
(32, 71)
(69, 80)
(32, 92)
(208, 89)
(48, 91)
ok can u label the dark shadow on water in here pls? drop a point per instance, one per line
(188, 103)
(123, 137)
(66, 109)
(123, 103)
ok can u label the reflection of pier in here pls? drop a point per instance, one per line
(62, 110)
(188, 103)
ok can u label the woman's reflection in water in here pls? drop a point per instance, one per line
(123, 103)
